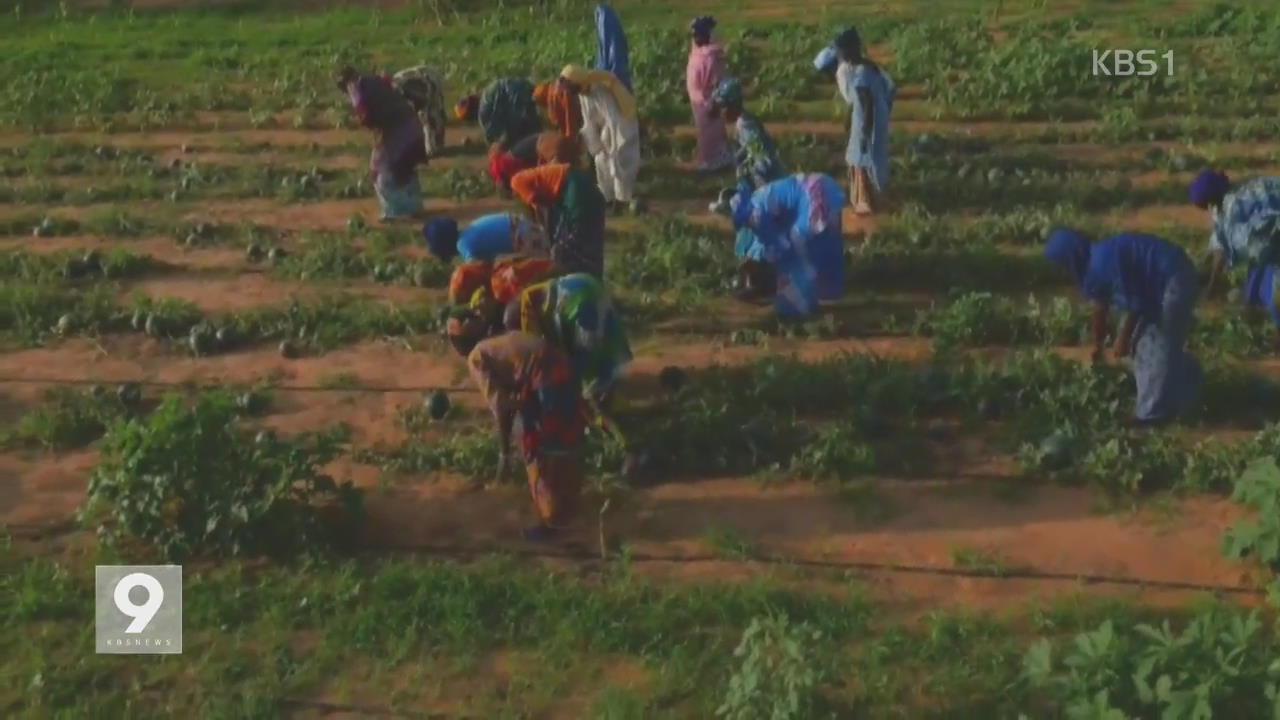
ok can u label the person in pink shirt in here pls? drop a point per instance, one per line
(703, 74)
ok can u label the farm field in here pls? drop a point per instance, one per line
(858, 515)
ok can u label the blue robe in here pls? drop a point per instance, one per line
(611, 46)
(873, 155)
(795, 225)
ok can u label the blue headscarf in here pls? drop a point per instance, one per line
(611, 45)
(1209, 186)
(1069, 250)
(441, 235)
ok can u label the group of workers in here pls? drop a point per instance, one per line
(530, 310)
(1154, 285)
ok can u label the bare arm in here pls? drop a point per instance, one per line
(1219, 263)
(868, 115)
(1124, 344)
(1099, 324)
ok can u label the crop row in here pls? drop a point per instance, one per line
(963, 66)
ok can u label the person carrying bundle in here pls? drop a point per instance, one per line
(424, 88)
(792, 246)
(1154, 283)
(610, 131)
(505, 110)
(398, 146)
(525, 375)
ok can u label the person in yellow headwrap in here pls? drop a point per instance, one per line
(610, 131)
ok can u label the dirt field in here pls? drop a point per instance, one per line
(970, 530)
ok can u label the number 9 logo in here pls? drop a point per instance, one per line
(141, 614)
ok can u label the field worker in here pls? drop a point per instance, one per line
(610, 131)
(525, 375)
(561, 106)
(570, 207)
(757, 156)
(575, 314)
(535, 150)
(869, 92)
(424, 88)
(485, 238)
(1154, 283)
(794, 226)
(703, 74)
(505, 110)
(480, 291)
(612, 55)
(504, 163)
(398, 146)
(1246, 221)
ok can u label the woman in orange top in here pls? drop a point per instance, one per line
(571, 208)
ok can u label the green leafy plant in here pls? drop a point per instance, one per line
(776, 677)
(1220, 665)
(1259, 489)
(193, 480)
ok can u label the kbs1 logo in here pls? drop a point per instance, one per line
(138, 609)
(1127, 63)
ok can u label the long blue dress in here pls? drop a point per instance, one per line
(873, 157)
(611, 46)
(796, 227)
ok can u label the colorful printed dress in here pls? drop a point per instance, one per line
(795, 226)
(573, 209)
(757, 159)
(576, 315)
(398, 147)
(508, 113)
(1247, 226)
(424, 88)
(523, 375)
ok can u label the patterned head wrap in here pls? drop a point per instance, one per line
(441, 235)
(1070, 251)
(1209, 187)
(728, 94)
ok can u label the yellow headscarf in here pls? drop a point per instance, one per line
(587, 79)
